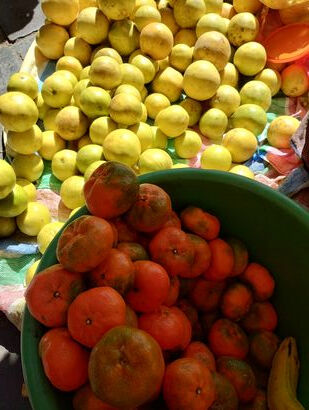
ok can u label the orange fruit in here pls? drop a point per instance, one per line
(50, 294)
(94, 312)
(65, 362)
(126, 367)
(188, 384)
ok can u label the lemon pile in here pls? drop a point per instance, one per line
(130, 76)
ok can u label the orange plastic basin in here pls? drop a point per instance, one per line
(287, 43)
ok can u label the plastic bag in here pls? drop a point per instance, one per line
(281, 4)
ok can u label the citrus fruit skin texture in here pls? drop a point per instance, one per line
(57, 346)
(77, 237)
(131, 378)
(281, 130)
(7, 179)
(93, 313)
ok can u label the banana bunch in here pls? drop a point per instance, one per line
(283, 379)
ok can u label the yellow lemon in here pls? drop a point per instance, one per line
(7, 226)
(73, 212)
(122, 145)
(193, 108)
(69, 63)
(47, 234)
(155, 103)
(211, 22)
(105, 72)
(87, 155)
(101, 51)
(180, 165)
(213, 6)
(144, 113)
(51, 39)
(173, 120)
(241, 143)
(31, 271)
(144, 134)
(216, 157)
(79, 88)
(14, 203)
(146, 65)
(188, 144)
(84, 74)
(145, 15)
(250, 58)
(94, 102)
(50, 118)
(295, 81)
(229, 75)
(64, 164)
(159, 138)
(249, 116)
(78, 48)
(243, 171)
(281, 130)
(32, 220)
(185, 36)
(71, 192)
(227, 11)
(271, 78)
(42, 106)
(57, 91)
(156, 40)
(188, 12)
(213, 47)
(252, 6)
(256, 92)
(28, 187)
(52, 143)
(117, 10)
(226, 99)
(62, 12)
(169, 82)
(201, 80)
(85, 140)
(154, 159)
(168, 18)
(26, 142)
(125, 109)
(92, 25)
(91, 168)
(7, 178)
(243, 27)
(213, 123)
(25, 83)
(124, 37)
(132, 75)
(128, 89)
(181, 57)
(71, 123)
(18, 112)
(100, 128)
(29, 167)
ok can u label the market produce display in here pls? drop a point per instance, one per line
(153, 85)
(161, 311)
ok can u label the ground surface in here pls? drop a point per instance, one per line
(19, 21)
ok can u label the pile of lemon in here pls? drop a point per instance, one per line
(125, 64)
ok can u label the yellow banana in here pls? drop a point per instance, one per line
(283, 379)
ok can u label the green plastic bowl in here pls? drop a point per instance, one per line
(275, 230)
